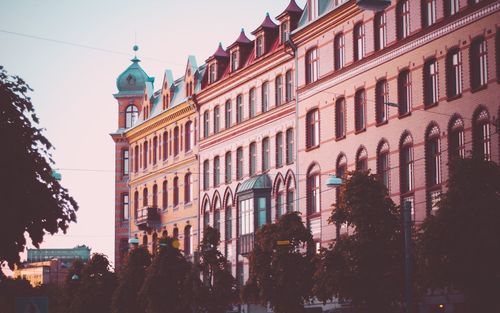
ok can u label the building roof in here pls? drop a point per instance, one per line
(266, 23)
(257, 182)
(292, 8)
(241, 40)
(133, 80)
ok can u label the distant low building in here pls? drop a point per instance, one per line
(45, 266)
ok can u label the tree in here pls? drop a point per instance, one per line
(33, 201)
(280, 268)
(367, 267)
(459, 245)
(130, 280)
(95, 287)
(166, 286)
(219, 286)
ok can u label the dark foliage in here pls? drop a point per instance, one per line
(459, 246)
(281, 271)
(33, 201)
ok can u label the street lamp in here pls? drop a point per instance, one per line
(333, 182)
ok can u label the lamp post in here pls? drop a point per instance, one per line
(333, 182)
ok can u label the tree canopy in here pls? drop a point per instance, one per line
(366, 267)
(459, 246)
(33, 201)
(281, 265)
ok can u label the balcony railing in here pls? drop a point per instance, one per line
(246, 243)
(147, 218)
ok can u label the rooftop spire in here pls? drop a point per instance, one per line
(135, 59)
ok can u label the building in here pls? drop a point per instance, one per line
(332, 88)
(45, 266)
(156, 159)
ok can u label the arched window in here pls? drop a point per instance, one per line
(340, 171)
(265, 154)
(290, 195)
(155, 149)
(403, 19)
(239, 163)
(404, 92)
(136, 203)
(206, 124)
(340, 118)
(380, 25)
(288, 86)
(406, 164)
(265, 97)
(339, 51)
(278, 90)
(383, 164)
(359, 41)
(217, 214)
(360, 110)
(252, 99)
(131, 114)
(188, 136)
(155, 195)
(312, 66)
(361, 160)
(145, 197)
(280, 197)
(313, 190)
(227, 115)
(187, 188)
(279, 149)
(453, 73)
(381, 100)
(289, 146)
(433, 166)
(164, 194)
(145, 154)
(216, 119)
(187, 240)
(176, 141)
(456, 139)
(176, 191)
(228, 169)
(165, 145)
(252, 156)
(312, 129)
(481, 136)
(229, 220)
(206, 214)
(478, 63)
(216, 171)
(239, 109)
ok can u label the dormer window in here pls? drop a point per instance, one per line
(259, 46)
(211, 73)
(284, 32)
(234, 61)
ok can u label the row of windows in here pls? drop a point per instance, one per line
(403, 18)
(168, 143)
(454, 88)
(282, 141)
(481, 147)
(279, 98)
(153, 201)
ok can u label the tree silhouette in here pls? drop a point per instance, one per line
(33, 201)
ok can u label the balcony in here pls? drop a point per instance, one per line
(148, 218)
(246, 243)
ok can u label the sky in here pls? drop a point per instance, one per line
(71, 52)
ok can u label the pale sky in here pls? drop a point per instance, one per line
(73, 85)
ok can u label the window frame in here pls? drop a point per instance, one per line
(313, 129)
(339, 51)
(359, 48)
(340, 118)
(381, 101)
(312, 65)
(360, 110)
(404, 93)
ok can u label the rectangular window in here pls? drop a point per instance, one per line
(289, 146)
(228, 168)
(278, 90)
(125, 207)
(259, 46)
(284, 32)
(339, 51)
(289, 86)
(239, 163)
(479, 66)
(262, 211)
(360, 110)
(265, 97)
(314, 194)
(234, 61)
(211, 73)
(125, 166)
(451, 7)
(359, 42)
(382, 98)
(252, 154)
(429, 12)
(206, 177)
(403, 19)
(453, 73)
(407, 169)
(265, 154)
(216, 120)
(229, 221)
(246, 217)
(380, 30)
(431, 90)
(312, 66)
(340, 118)
(404, 93)
(312, 128)
(279, 149)
(239, 109)
(251, 103)
(279, 204)
(206, 124)
(227, 117)
(216, 171)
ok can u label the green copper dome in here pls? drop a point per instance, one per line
(133, 79)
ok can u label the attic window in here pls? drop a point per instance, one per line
(234, 61)
(211, 73)
(259, 46)
(284, 32)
